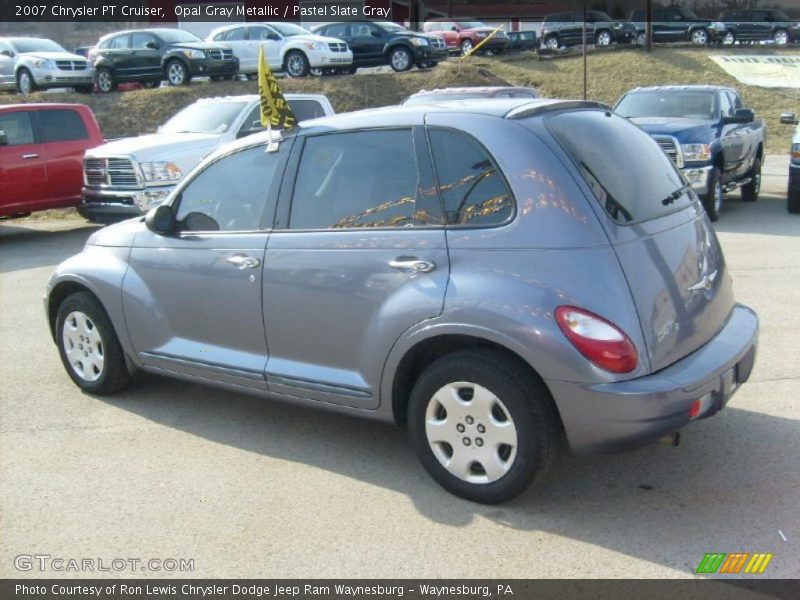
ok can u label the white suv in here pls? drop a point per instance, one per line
(287, 47)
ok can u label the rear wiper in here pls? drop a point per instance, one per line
(675, 195)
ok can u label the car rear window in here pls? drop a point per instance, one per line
(631, 177)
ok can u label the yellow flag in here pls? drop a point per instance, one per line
(275, 111)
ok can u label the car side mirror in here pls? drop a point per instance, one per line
(454, 29)
(161, 219)
(786, 119)
(376, 34)
(3, 138)
(152, 45)
(7, 53)
(740, 116)
(273, 36)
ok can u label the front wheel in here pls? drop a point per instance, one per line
(177, 73)
(750, 191)
(712, 200)
(483, 426)
(26, 84)
(400, 59)
(552, 43)
(88, 345)
(728, 39)
(106, 82)
(297, 64)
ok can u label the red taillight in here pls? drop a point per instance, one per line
(602, 342)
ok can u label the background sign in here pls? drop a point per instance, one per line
(781, 71)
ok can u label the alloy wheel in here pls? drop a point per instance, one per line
(176, 73)
(700, 37)
(466, 47)
(295, 65)
(471, 433)
(729, 39)
(604, 38)
(400, 60)
(25, 84)
(781, 38)
(552, 43)
(83, 346)
(104, 81)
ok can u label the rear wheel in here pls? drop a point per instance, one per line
(552, 43)
(699, 37)
(780, 37)
(751, 190)
(466, 47)
(729, 39)
(106, 82)
(296, 64)
(603, 38)
(88, 345)
(712, 200)
(483, 426)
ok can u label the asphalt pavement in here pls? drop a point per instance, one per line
(253, 488)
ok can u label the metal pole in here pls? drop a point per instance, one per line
(585, 16)
(648, 26)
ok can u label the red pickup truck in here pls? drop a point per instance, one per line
(41, 155)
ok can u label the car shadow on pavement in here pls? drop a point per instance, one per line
(731, 481)
(31, 246)
(768, 216)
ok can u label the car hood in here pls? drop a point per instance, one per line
(686, 130)
(53, 55)
(117, 235)
(313, 37)
(156, 146)
(197, 46)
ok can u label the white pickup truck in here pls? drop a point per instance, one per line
(126, 177)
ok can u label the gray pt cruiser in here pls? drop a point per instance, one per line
(492, 273)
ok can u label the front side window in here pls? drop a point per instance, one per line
(230, 194)
(61, 126)
(357, 179)
(17, 127)
(472, 188)
(139, 40)
(336, 31)
(236, 35)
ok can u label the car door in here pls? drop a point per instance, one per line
(23, 174)
(118, 54)
(145, 56)
(357, 257)
(7, 61)
(64, 138)
(192, 298)
(734, 136)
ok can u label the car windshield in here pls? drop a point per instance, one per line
(671, 104)
(176, 36)
(206, 117)
(390, 27)
(631, 177)
(289, 29)
(36, 45)
(471, 24)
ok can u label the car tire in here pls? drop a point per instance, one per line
(296, 64)
(699, 37)
(85, 89)
(150, 85)
(641, 39)
(26, 84)
(729, 39)
(751, 190)
(552, 43)
(780, 37)
(712, 200)
(105, 80)
(492, 399)
(793, 201)
(177, 73)
(400, 59)
(89, 347)
(466, 47)
(603, 39)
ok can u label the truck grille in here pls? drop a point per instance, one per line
(110, 172)
(670, 147)
(225, 54)
(337, 47)
(72, 65)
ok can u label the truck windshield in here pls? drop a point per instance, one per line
(669, 103)
(631, 177)
(36, 45)
(210, 117)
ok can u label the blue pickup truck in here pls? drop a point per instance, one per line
(793, 196)
(709, 135)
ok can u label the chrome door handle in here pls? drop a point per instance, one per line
(418, 266)
(241, 261)
(30, 156)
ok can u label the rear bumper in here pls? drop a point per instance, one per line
(612, 417)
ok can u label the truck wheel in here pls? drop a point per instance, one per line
(700, 37)
(751, 190)
(88, 345)
(296, 64)
(603, 38)
(466, 47)
(552, 43)
(25, 82)
(483, 426)
(106, 82)
(177, 73)
(400, 59)
(712, 200)
(780, 37)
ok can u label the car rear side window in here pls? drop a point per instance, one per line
(306, 109)
(472, 188)
(61, 126)
(628, 172)
(17, 127)
(356, 179)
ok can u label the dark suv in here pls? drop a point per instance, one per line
(758, 26)
(386, 43)
(677, 25)
(152, 55)
(566, 29)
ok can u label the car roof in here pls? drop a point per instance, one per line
(489, 89)
(141, 30)
(43, 106)
(683, 88)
